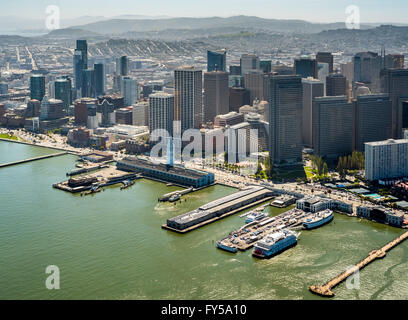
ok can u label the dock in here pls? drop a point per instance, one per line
(326, 289)
(33, 159)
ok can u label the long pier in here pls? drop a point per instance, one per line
(326, 289)
(33, 159)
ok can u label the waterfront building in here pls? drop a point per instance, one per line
(319, 203)
(130, 91)
(249, 62)
(332, 126)
(285, 119)
(37, 87)
(326, 57)
(161, 112)
(386, 159)
(217, 60)
(173, 174)
(216, 94)
(312, 88)
(306, 67)
(188, 97)
(381, 214)
(336, 85)
(372, 119)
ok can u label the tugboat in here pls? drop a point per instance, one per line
(318, 220)
(274, 244)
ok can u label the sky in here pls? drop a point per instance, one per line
(310, 10)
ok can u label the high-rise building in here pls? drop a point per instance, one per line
(88, 83)
(63, 91)
(395, 83)
(82, 46)
(105, 113)
(81, 110)
(326, 57)
(238, 97)
(100, 79)
(386, 159)
(257, 84)
(161, 112)
(33, 109)
(285, 119)
(141, 114)
(367, 68)
(188, 98)
(216, 94)
(249, 62)
(235, 70)
(37, 87)
(124, 116)
(117, 100)
(332, 126)
(78, 72)
(306, 67)
(336, 85)
(312, 88)
(372, 119)
(266, 66)
(394, 61)
(51, 109)
(130, 90)
(217, 61)
(122, 66)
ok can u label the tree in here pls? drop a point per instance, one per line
(325, 169)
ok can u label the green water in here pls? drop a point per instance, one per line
(110, 245)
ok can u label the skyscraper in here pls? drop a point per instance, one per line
(37, 87)
(257, 83)
(217, 60)
(372, 119)
(249, 62)
(332, 126)
(161, 112)
(285, 119)
(266, 66)
(238, 97)
(306, 67)
(312, 88)
(367, 68)
(100, 79)
(78, 73)
(336, 85)
(51, 109)
(122, 66)
(82, 46)
(63, 91)
(88, 83)
(395, 83)
(106, 115)
(216, 94)
(326, 57)
(130, 90)
(188, 97)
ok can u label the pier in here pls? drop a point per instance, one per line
(326, 289)
(33, 159)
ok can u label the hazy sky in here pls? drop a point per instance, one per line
(311, 10)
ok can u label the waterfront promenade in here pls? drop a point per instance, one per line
(33, 159)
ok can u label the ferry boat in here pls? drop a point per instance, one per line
(318, 220)
(274, 244)
(222, 246)
(255, 216)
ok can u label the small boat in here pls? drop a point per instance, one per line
(175, 197)
(274, 244)
(224, 247)
(255, 216)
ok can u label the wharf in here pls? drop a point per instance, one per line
(326, 289)
(33, 159)
(165, 226)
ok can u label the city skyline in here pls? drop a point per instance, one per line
(313, 10)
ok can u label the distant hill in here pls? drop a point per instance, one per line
(120, 26)
(71, 33)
